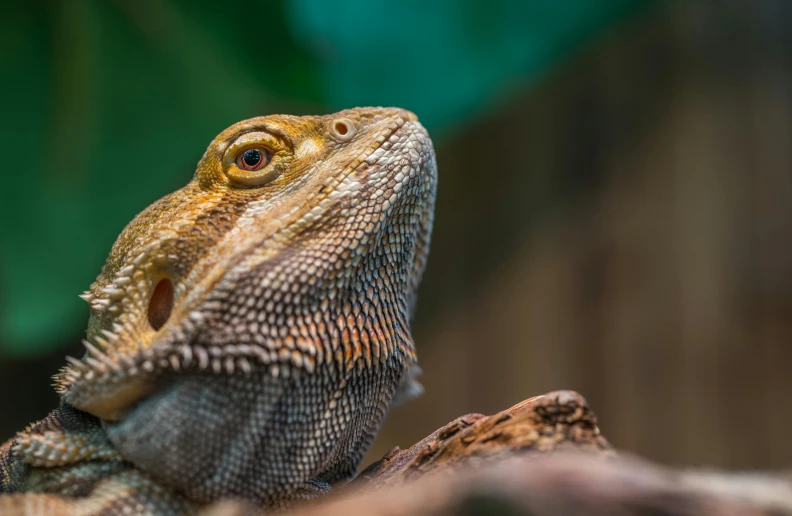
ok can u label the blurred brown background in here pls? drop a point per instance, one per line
(621, 226)
(625, 230)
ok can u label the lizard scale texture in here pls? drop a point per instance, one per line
(249, 332)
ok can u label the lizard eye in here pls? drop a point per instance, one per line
(253, 159)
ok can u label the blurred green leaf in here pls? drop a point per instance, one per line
(446, 60)
(107, 106)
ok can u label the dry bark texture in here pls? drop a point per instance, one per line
(557, 421)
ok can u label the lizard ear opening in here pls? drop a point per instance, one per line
(161, 304)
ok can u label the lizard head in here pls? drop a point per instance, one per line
(291, 238)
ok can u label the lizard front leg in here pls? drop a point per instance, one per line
(65, 465)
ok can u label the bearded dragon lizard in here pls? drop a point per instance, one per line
(249, 332)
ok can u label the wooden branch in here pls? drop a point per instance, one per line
(557, 421)
(567, 484)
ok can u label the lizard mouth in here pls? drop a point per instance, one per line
(108, 380)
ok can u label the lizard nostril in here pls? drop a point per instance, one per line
(343, 129)
(161, 304)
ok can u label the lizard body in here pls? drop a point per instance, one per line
(249, 331)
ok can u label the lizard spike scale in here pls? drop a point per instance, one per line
(249, 331)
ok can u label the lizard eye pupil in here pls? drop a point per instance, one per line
(253, 159)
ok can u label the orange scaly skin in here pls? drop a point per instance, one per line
(249, 331)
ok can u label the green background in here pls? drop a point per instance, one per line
(107, 106)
